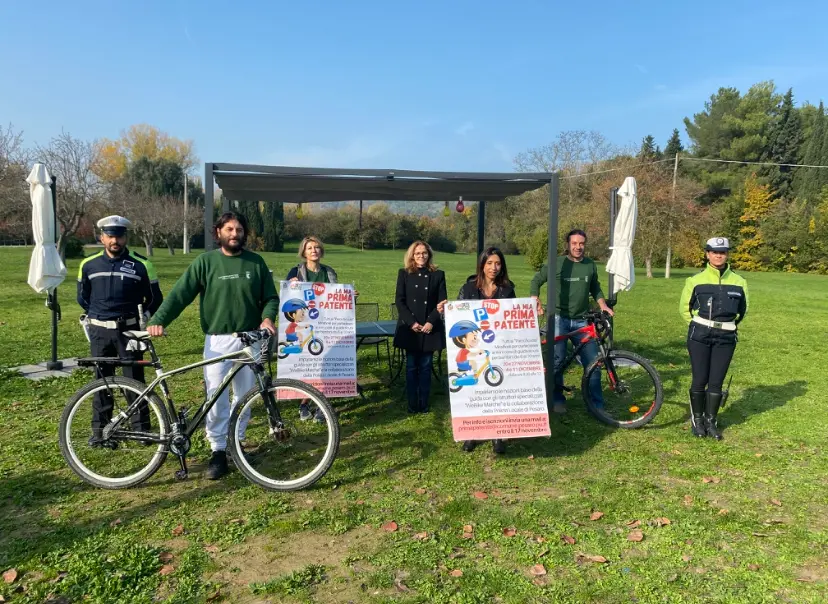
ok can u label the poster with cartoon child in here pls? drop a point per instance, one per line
(317, 341)
(496, 378)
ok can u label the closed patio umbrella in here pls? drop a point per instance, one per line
(46, 269)
(620, 263)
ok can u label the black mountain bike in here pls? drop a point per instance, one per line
(630, 385)
(267, 442)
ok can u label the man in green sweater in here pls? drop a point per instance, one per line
(236, 293)
(577, 279)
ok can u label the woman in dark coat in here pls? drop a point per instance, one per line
(421, 294)
(490, 283)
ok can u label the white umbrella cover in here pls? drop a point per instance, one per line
(46, 269)
(620, 262)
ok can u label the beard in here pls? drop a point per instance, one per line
(231, 243)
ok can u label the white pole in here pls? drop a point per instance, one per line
(186, 206)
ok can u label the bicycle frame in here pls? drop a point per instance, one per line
(590, 334)
(176, 418)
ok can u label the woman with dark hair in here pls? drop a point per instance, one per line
(491, 282)
(421, 294)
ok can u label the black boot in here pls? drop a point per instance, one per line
(498, 446)
(217, 466)
(711, 410)
(469, 445)
(697, 402)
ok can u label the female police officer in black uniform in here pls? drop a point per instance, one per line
(713, 303)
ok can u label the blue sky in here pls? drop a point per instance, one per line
(417, 85)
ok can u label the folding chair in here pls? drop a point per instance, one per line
(367, 312)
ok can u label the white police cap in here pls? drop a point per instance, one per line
(717, 244)
(114, 225)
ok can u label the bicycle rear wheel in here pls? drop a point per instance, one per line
(117, 462)
(630, 386)
(289, 454)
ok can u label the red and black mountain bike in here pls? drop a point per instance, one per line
(630, 385)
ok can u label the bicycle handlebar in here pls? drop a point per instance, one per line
(248, 337)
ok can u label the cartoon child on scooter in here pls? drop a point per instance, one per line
(299, 330)
(472, 360)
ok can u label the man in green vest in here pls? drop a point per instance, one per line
(577, 280)
(236, 293)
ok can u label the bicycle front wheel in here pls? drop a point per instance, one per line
(132, 453)
(289, 450)
(623, 390)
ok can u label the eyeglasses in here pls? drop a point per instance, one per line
(421, 253)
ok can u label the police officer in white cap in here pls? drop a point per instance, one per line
(713, 303)
(111, 286)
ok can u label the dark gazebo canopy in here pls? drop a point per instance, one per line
(299, 185)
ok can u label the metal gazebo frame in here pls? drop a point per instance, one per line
(300, 185)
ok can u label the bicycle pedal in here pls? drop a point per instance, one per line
(181, 475)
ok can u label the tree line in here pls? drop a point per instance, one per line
(737, 176)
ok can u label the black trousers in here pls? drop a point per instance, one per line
(710, 356)
(110, 343)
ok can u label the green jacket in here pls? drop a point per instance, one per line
(576, 282)
(236, 293)
(714, 295)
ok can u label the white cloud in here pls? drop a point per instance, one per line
(357, 153)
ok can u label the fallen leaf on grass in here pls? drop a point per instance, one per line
(212, 549)
(723, 512)
(390, 526)
(713, 479)
(634, 523)
(166, 569)
(538, 570)
(531, 457)
(635, 535)
(509, 532)
(540, 539)
(672, 578)
(456, 573)
(237, 521)
(596, 515)
(776, 502)
(753, 567)
(758, 455)
(214, 596)
(688, 500)
(759, 534)
(179, 530)
(165, 557)
(420, 536)
(581, 558)
(420, 491)
(10, 576)
(115, 522)
(686, 558)
(480, 495)
(468, 528)
(662, 521)
(568, 540)
(468, 535)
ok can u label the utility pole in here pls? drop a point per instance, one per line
(186, 208)
(670, 223)
(361, 239)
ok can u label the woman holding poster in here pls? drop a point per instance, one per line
(310, 269)
(421, 293)
(491, 282)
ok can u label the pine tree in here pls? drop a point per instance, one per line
(274, 224)
(649, 151)
(254, 218)
(784, 141)
(674, 144)
(810, 179)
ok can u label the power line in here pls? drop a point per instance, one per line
(646, 163)
(753, 163)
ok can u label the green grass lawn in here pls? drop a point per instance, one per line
(746, 516)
